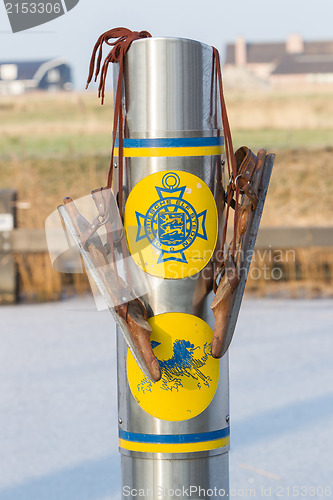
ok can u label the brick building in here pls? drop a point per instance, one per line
(282, 63)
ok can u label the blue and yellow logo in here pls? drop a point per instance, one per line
(182, 345)
(171, 224)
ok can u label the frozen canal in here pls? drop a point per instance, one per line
(58, 410)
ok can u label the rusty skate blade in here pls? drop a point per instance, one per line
(228, 298)
(112, 288)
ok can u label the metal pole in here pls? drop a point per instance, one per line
(174, 435)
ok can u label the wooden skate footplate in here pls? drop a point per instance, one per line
(134, 328)
(227, 301)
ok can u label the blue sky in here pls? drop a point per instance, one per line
(214, 22)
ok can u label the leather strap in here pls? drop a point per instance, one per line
(100, 220)
(246, 166)
(124, 38)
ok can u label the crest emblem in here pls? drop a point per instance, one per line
(171, 224)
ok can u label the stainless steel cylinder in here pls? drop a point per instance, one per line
(174, 435)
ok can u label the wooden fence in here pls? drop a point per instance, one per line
(34, 240)
(309, 268)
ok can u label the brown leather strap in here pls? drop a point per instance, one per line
(246, 166)
(231, 160)
(124, 39)
(100, 220)
(120, 47)
(96, 224)
(225, 121)
(101, 197)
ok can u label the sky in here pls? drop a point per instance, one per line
(215, 22)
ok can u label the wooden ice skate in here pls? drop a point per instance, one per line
(254, 175)
(128, 311)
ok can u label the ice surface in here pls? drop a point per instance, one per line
(58, 408)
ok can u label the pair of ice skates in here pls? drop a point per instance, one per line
(130, 311)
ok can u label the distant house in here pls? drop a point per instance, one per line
(23, 76)
(293, 62)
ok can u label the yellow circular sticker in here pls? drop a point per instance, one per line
(171, 224)
(182, 345)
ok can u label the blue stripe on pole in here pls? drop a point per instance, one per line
(178, 142)
(174, 438)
